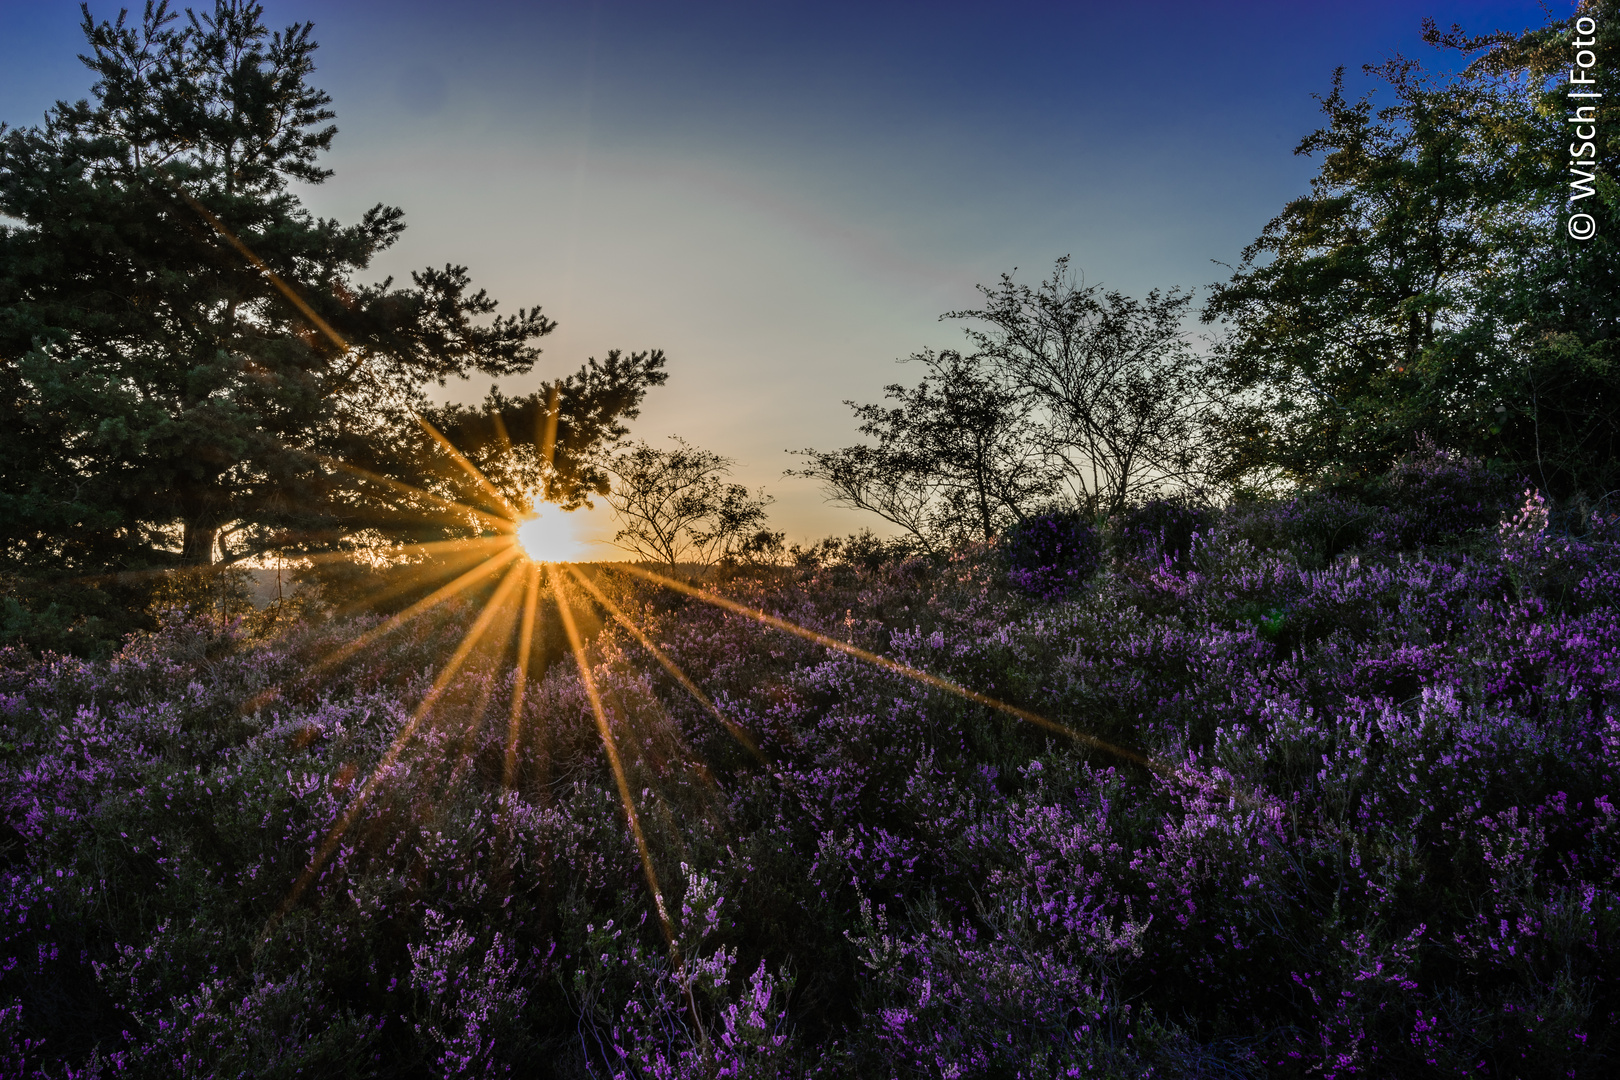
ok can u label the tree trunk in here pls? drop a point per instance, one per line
(984, 506)
(197, 549)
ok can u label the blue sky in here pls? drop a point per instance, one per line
(785, 196)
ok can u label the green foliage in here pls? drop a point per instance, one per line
(1428, 285)
(142, 330)
(58, 613)
(190, 369)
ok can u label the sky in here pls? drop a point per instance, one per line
(784, 197)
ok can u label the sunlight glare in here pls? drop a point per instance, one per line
(549, 537)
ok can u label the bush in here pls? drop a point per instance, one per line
(1051, 555)
(1160, 530)
(864, 550)
(60, 613)
(1428, 497)
(1312, 527)
(1433, 495)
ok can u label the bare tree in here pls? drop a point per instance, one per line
(958, 457)
(675, 506)
(889, 481)
(1069, 391)
(1124, 396)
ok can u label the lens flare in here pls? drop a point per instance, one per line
(549, 537)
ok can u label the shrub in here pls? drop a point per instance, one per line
(1433, 495)
(1323, 818)
(864, 550)
(1160, 530)
(1428, 497)
(1313, 527)
(1050, 555)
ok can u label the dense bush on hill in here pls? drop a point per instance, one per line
(1376, 833)
(1050, 555)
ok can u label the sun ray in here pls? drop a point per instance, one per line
(393, 622)
(427, 603)
(494, 521)
(427, 547)
(470, 640)
(500, 432)
(317, 558)
(452, 666)
(683, 752)
(612, 749)
(545, 438)
(547, 435)
(669, 665)
(908, 672)
(475, 715)
(468, 467)
(531, 602)
(247, 253)
(320, 324)
(500, 639)
(404, 579)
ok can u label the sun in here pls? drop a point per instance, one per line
(548, 537)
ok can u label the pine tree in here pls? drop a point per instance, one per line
(186, 354)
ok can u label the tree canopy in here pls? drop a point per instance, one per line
(1428, 284)
(1071, 395)
(191, 369)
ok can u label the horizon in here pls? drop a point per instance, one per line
(785, 201)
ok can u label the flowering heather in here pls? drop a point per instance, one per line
(1051, 555)
(1353, 811)
(1161, 529)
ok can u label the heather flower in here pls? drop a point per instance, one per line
(1339, 806)
(1050, 555)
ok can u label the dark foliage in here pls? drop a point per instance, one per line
(1428, 284)
(190, 371)
(1051, 555)
(1160, 529)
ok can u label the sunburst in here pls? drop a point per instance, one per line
(548, 536)
(529, 547)
(522, 548)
